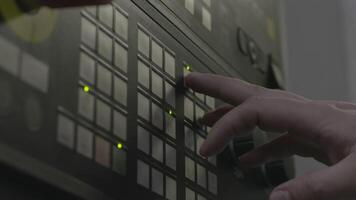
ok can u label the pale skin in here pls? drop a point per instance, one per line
(324, 130)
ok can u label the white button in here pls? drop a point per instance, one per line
(171, 156)
(121, 24)
(106, 15)
(143, 174)
(143, 140)
(35, 73)
(189, 5)
(189, 169)
(105, 46)
(121, 57)
(157, 148)
(119, 161)
(200, 141)
(102, 151)
(157, 116)
(188, 108)
(199, 112)
(85, 141)
(206, 18)
(91, 10)
(170, 94)
(157, 182)
(143, 43)
(210, 101)
(88, 33)
(120, 90)
(86, 105)
(201, 176)
(12, 53)
(87, 68)
(189, 137)
(200, 197)
(207, 2)
(200, 96)
(65, 131)
(170, 64)
(213, 183)
(189, 194)
(157, 54)
(120, 125)
(103, 115)
(104, 80)
(171, 188)
(171, 125)
(143, 74)
(157, 84)
(143, 107)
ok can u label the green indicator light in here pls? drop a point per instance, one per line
(120, 146)
(86, 89)
(170, 112)
(187, 67)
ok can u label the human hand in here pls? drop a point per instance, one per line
(324, 130)
(71, 3)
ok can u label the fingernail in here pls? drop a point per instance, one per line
(280, 195)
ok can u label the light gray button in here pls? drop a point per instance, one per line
(212, 160)
(170, 64)
(201, 176)
(33, 113)
(104, 80)
(199, 112)
(65, 131)
(91, 10)
(12, 53)
(120, 90)
(206, 18)
(171, 188)
(157, 148)
(86, 104)
(157, 84)
(143, 174)
(207, 2)
(210, 101)
(157, 54)
(171, 125)
(143, 140)
(121, 24)
(189, 5)
(200, 141)
(103, 115)
(119, 158)
(143, 107)
(102, 151)
(121, 57)
(157, 182)
(213, 183)
(188, 108)
(189, 169)
(157, 116)
(143, 74)
(189, 194)
(85, 141)
(200, 197)
(171, 157)
(120, 125)
(143, 43)
(189, 138)
(106, 15)
(105, 46)
(88, 33)
(170, 94)
(35, 73)
(200, 96)
(87, 68)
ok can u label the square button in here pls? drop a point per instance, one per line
(102, 151)
(143, 140)
(189, 5)
(171, 125)
(170, 64)
(143, 43)
(88, 33)
(106, 15)
(189, 138)
(143, 74)
(171, 157)
(189, 169)
(157, 116)
(206, 18)
(87, 68)
(119, 161)
(200, 141)
(91, 10)
(199, 112)
(213, 183)
(188, 108)
(157, 182)
(171, 188)
(85, 141)
(143, 174)
(34, 72)
(65, 131)
(200, 96)
(103, 115)
(121, 25)
(120, 90)
(157, 54)
(200, 197)
(201, 176)
(189, 194)
(157, 148)
(121, 57)
(143, 107)
(212, 160)
(105, 46)
(210, 101)
(170, 94)
(120, 125)
(11, 52)
(157, 84)
(104, 80)
(207, 2)
(86, 104)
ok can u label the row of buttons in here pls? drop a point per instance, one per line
(206, 15)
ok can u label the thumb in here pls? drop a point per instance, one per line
(334, 183)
